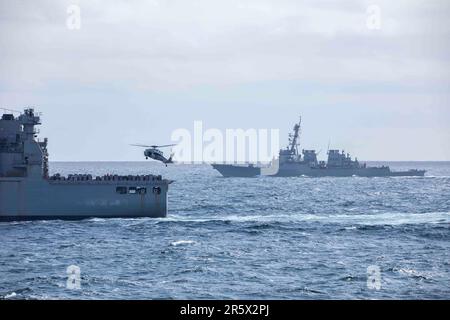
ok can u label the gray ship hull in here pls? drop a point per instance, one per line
(299, 170)
(25, 199)
(237, 171)
(296, 170)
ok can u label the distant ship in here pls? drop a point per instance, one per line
(27, 192)
(293, 164)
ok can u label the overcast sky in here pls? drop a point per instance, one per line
(137, 70)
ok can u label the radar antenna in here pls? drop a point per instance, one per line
(296, 137)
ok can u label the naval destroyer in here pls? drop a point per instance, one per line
(27, 192)
(291, 164)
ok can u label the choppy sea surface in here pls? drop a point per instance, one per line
(238, 238)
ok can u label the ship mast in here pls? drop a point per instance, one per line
(294, 139)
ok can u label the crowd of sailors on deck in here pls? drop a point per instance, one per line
(108, 177)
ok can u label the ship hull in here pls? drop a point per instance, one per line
(25, 199)
(368, 173)
(347, 172)
(299, 170)
(237, 171)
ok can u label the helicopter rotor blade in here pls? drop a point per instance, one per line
(154, 146)
(141, 145)
(166, 146)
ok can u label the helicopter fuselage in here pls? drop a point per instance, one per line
(156, 155)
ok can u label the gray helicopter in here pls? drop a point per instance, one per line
(154, 153)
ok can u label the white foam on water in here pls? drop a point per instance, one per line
(182, 243)
(385, 218)
(98, 220)
(11, 295)
(414, 273)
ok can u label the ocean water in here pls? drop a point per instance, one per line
(237, 238)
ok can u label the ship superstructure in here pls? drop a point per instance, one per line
(28, 192)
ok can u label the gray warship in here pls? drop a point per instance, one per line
(27, 192)
(293, 164)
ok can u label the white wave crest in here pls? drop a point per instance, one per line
(382, 218)
(182, 243)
